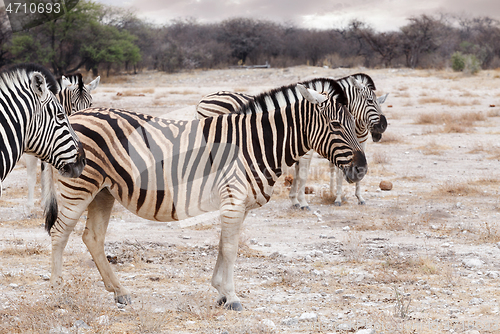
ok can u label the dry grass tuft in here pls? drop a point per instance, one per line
(433, 148)
(199, 306)
(453, 123)
(390, 138)
(28, 249)
(380, 158)
(450, 188)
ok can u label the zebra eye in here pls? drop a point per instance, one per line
(60, 116)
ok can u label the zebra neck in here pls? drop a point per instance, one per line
(278, 137)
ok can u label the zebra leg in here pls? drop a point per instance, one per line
(361, 200)
(340, 177)
(31, 163)
(231, 219)
(297, 191)
(99, 212)
(59, 234)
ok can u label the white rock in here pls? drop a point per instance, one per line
(60, 330)
(366, 331)
(492, 274)
(472, 263)
(268, 323)
(103, 320)
(290, 321)
(346, 228)
(476, 301)
(308, 316)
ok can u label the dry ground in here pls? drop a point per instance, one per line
(422, 258)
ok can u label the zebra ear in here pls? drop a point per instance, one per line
(353, 81)
(93, 84)
(65, 82)
(311, 95)
(382, 99)
(39, 85)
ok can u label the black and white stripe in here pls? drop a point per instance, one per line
(33, 121)
(74, 95)
(168, 170)
(362, 103)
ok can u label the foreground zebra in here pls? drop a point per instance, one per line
(33, 121)
(168, 170)
(362, 103)
(74, 95)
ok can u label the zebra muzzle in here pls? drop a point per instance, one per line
(74, 169)
(358, 168)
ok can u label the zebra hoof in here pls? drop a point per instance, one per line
(221, 301)
(361, 203)
(234, 306)
(296, 206)
(337, 203)
(123, 300)
(305, 208)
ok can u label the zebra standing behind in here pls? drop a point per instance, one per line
(168, 170)
(33, 121)
(74, 95)
(362, 103)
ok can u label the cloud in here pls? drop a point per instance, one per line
(382, 15)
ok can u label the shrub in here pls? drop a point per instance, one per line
(458, 61)
(467, 63)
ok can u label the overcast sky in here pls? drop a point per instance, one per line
(382, 15)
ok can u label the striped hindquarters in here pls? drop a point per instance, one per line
(220, 103)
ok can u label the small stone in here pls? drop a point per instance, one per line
(366, 331)
(253, 241)
(472, 263)
(267, 244)
(476, 301)
(349, 296)
(269, 324)
(309, 190)
(385, 185)
(290, 321)
(339, 291)
(45, 277)
(186, 237)
(434, 227)
(306, 290)
(346, 228)
(103, 320)
(14, 285)
(60, 330)
(308, 316)
(81, 324)
(492, 274)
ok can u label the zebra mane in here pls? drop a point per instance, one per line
(285, 95)
(75, 79)
(8, 73)
(363, 78)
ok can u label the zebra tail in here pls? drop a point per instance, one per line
(49, 198)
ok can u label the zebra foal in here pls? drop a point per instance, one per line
(74, 95)
(33, 121)
(362, 103)
(168, 170)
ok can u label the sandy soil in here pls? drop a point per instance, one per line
(421, 258)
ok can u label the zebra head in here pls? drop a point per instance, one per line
(365, 106)
(74, 94)
(332, 132)
(50, 136)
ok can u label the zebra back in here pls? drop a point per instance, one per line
(219, 103)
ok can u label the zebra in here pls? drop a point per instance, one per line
(74, 95)
(33, 121)
(359, 89)
(166, 170)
